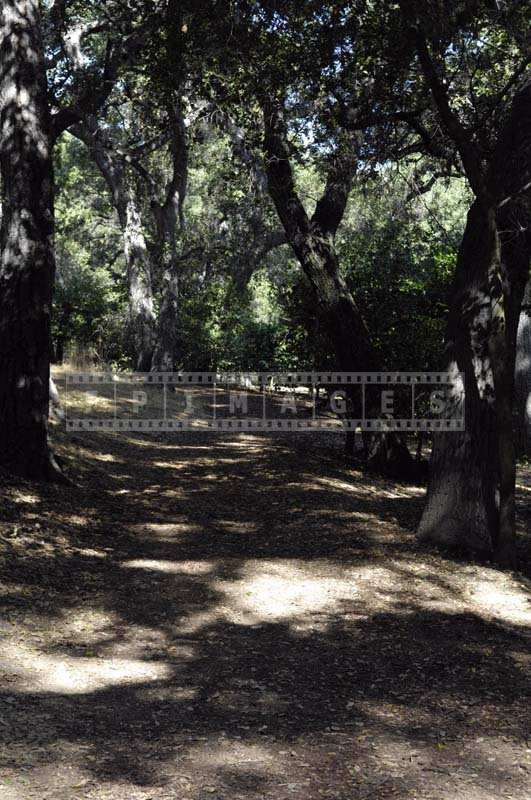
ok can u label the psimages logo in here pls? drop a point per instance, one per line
(265, 401)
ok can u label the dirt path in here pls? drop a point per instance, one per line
(248, 617)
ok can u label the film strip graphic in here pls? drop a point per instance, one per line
(298, 401)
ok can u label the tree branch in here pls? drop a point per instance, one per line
(93, 96)
(462, 137)
(280, 174)
(330, 209)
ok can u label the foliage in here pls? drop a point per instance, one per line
(337, 65)
(89, 297)
(397, 254)
(399, 258)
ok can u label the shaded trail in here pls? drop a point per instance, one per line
(248, 617)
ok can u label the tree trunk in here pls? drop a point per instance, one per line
(471, 491)
(141, 312)
(165, 352)
(166, 347)
(470, 499)
(514, 255)
(461, 504)
(27, 257)
(312, 241)
(170, 218)
(141, 322)
(523, 378)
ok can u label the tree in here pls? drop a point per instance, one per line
(27, 256)
(312, 239)
(471, 491)
(523, 378)
(448, 91)
(35, 108)
(169, 215)
(114, 168)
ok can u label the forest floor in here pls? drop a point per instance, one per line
(248, 616)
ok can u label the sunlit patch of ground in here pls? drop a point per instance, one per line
(286, 590)
(250, 618)
(37, 673)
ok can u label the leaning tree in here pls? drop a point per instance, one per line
(471, 495)
(450, 84)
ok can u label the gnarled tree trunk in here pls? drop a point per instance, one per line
(141, 309)
(312, 241)
(461, 505)
(472, 482)
(165, 353)
(27, 256)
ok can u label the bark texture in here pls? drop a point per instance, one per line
(461, 506)
(523, 378)
(141, 311)
(471, 490)
(170, 219)
(27, 257)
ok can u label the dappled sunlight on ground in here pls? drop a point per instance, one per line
(301, 593)
(360, 487)
(32, 672)
(250, 618)
(499, 597)
(175, 567)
